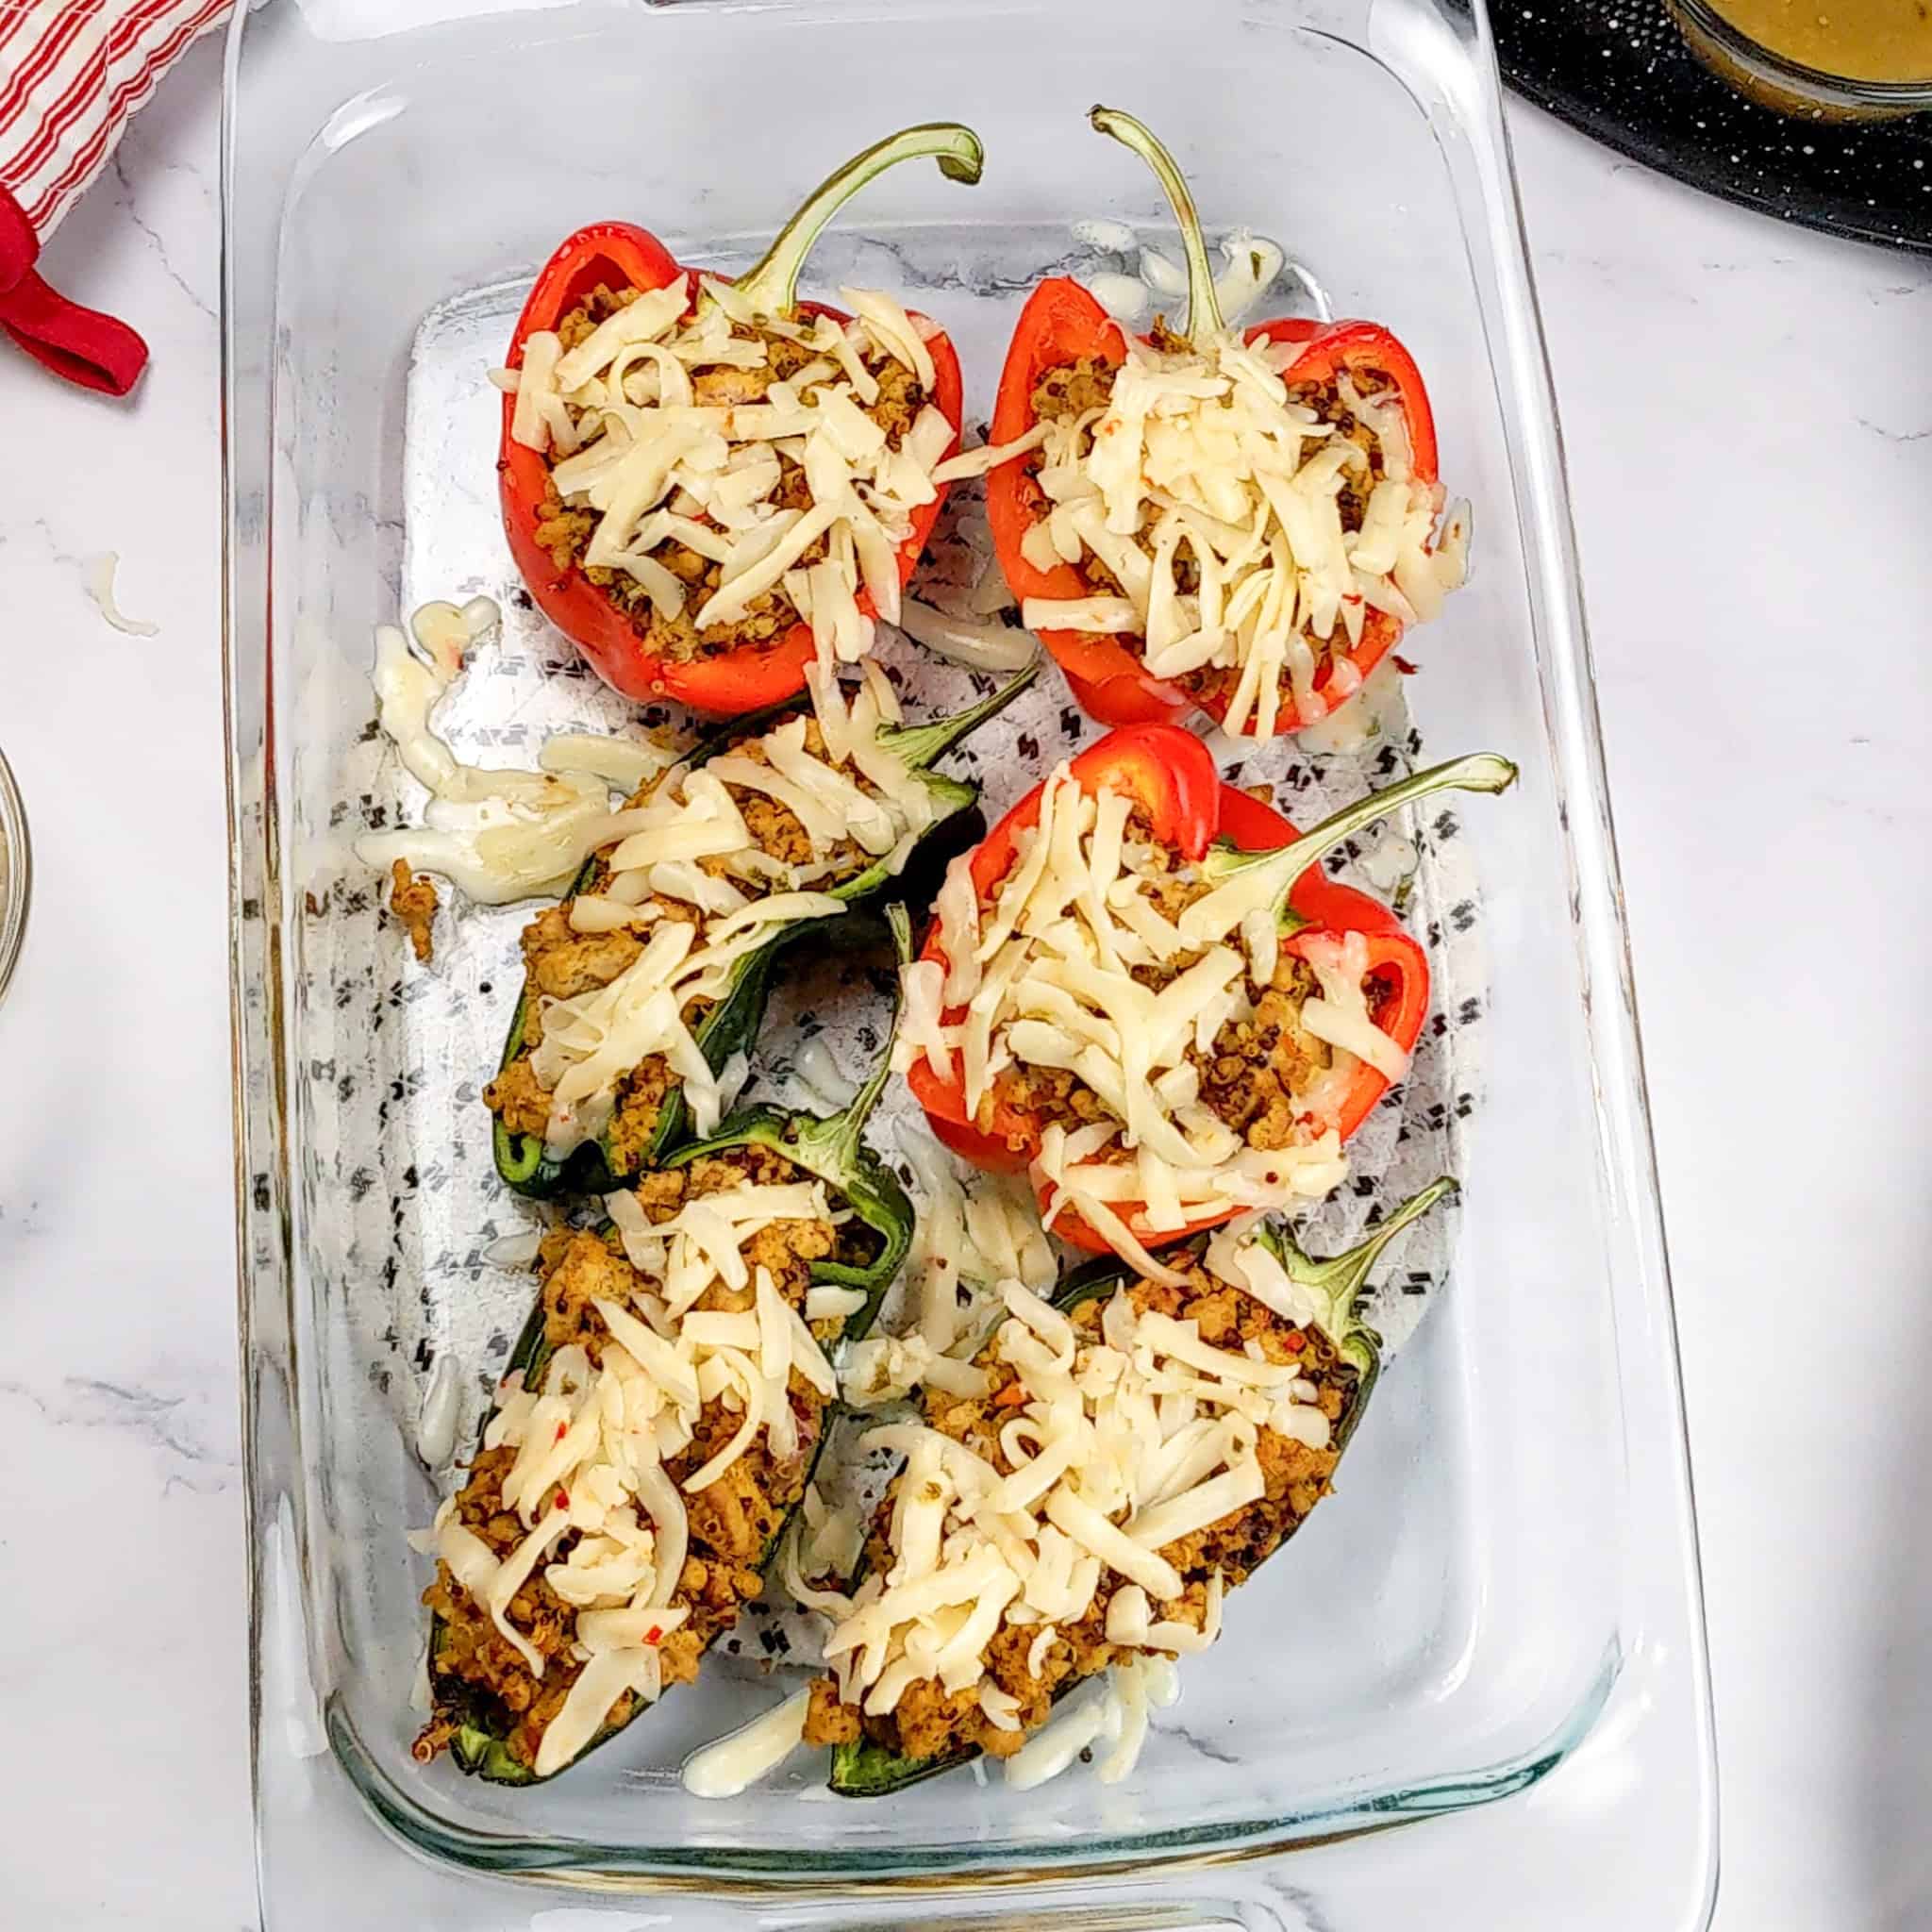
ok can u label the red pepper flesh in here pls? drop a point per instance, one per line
(1062, 324)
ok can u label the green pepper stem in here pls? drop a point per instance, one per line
(1204, 305)
(900, 921)
(922, 745)
(1339, 1283)
(867, 1097)
(1480, 771)
(843, 1131)
(772, 287)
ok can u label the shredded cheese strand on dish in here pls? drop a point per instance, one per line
(592, 1440)
(1120, 1447)
(975, 1230)
(688, 841)
(1146, 1680)
(1212, 498)
(618, 415)
(971, 1235)
(1045, 976)
(497, 834)
(731, 1764)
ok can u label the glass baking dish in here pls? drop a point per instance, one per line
(1505, 1593)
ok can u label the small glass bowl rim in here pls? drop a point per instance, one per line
(1701, 20)
(16, 873)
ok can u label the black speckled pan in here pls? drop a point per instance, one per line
(1620, 71)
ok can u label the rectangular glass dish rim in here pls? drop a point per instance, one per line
(1569, 718)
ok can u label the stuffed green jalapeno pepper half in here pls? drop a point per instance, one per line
(645, 985)
(1138, 1448)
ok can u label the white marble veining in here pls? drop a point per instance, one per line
(1748, 414)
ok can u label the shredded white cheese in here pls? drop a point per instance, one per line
(974, 1231)
(1123, 297)
(1341, 1016)
(517, 1250)
(885, 1369)
(736, 1761)
(980, 643)
(830, 1535)
(435, 1420)
(1118, 1718)
(498, 834)
(1054, 1747)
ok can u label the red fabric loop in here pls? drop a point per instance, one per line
(81, 344)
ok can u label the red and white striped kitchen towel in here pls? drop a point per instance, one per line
(71, 73)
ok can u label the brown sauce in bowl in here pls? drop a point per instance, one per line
(1884, 40)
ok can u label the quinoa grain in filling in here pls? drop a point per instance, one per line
(630, 1488)
(1118, 1469)
(723, 475)
(707, 864)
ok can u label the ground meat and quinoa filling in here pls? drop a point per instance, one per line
(1074, 389)
(1251, 1078)
(561, 963)
(413, 902)
(927, 1721)
(475, 1674)
(565, 531)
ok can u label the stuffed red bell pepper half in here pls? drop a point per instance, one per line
(709, 484)
(1144, 988)
(1238, 521)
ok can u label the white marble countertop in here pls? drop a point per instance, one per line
(1748, 415)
